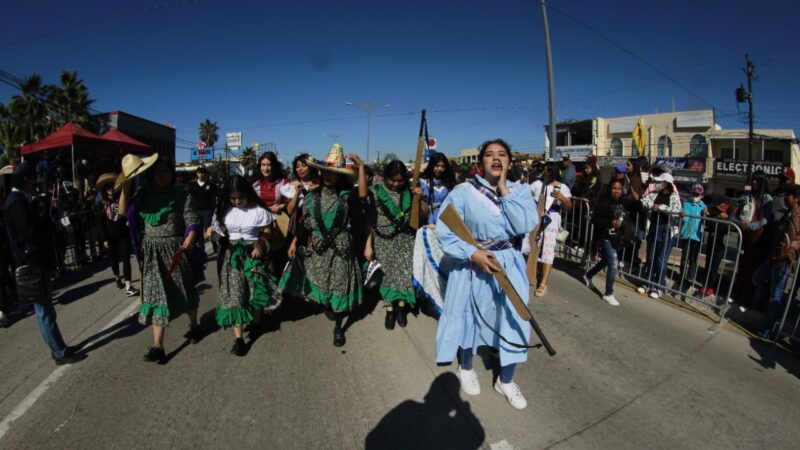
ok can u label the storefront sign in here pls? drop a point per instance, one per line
(690, 164)
(612, 161)
(575, 152)
(202, 154)
(695, 119)
(734, 168)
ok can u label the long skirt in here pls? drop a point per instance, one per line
(396, 258)
(245, 287)
(165, 297)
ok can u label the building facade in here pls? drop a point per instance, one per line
(160, 137)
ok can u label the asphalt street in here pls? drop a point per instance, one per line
(642, 375)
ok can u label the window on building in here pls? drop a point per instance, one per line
(698, 147)
(634, 149)
(729, 153)
(616, 147)
(775, 155)
(664, 146)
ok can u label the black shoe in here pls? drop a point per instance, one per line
(120, 284)
(338, 338)
(132, 292)
(69, 358)
(391, 318)
(155, 354)
(195, 334)
(402, 316)
(239, 347)
(255, 330)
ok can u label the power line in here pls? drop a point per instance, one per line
(100, 20)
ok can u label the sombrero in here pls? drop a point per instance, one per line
(104, 179)
(334, 162)
(133, 166)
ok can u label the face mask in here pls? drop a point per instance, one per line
(696, 199)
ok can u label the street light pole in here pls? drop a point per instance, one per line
(550, 83)
(367, 108)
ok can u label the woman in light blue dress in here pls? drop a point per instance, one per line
(499, 214)
(436, 182)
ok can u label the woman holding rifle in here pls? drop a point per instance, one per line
(476, 310)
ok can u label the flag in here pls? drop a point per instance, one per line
(639, 136)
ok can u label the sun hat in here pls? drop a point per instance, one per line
(133, 166)
(666, 177)
(788, 173)
(104, 179)
(334, 162)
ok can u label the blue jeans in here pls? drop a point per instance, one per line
(659, 247)
(46, 318)
(609, 260)
(770, 282)
(465, 356)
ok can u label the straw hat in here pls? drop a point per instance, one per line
(133, 166)
(334, 162)
(104, 179)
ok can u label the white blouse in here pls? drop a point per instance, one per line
(247, 223)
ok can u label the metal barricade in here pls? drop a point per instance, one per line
(788, 326)
(700, 271)
(577, 222)
(75, 236)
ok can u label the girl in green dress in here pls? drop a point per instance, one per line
(327, 267)
(170, 227)
(390, 240)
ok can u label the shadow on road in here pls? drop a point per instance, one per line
(773, 355)
(122, 329)
(80, 292)
(442, 421)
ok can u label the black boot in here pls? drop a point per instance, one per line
(338, 337)
(195, 334)
(155, 354)
(402, 314)
(391, 318)
(239, 347)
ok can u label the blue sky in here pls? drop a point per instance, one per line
(282, 71)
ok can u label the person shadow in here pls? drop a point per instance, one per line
(442, 421)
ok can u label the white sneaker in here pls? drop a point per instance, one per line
(3, 319)
(641, 290)
(512, 393)
(469, 381)
(654, 294)
(611, 300)
(587, 281)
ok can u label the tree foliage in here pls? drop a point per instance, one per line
(209, 132)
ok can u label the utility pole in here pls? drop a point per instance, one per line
(747, 96)
(550, 87)
(367, 108)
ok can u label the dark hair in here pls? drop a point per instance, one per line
(169, 166)
(500, 142)
(236, 184)
(793, 190)
(276, 168)
(635, 163)
(644, 164)
(592, 165)
(202, 170)
(761, 177)
(394, 168)
(302, 158)
(552, 173)
(21, 172)
(343, 182)
(448, 177)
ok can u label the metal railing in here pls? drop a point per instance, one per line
(702, 271)
(788, 326)
(76, 235)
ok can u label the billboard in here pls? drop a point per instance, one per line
(233, 140)
(202, 154)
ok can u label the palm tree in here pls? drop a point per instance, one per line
(10, 133)
(248, 159)
(209, 132)
(29, 108)
(70, 102)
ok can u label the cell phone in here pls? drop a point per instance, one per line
(555, 188)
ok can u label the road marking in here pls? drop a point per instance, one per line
(39, 390)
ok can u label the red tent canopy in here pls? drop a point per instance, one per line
(67, 136)
(125, 142)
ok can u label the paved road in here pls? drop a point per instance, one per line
(642, 375)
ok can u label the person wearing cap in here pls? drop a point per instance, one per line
(27, 235)
(772, 275)
(114, 234)
(170, 228)
(328, 273)
(568, 175)
(691, 237)
(663, 203)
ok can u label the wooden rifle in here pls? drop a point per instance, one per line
(414, 220)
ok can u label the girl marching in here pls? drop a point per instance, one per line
(330, 275)
(170, 230)
(476, 310)
(436, 182)
(391, 241)
(246, 286)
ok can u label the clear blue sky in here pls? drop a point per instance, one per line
(282, 71)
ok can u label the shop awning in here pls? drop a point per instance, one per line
(125, 142)
(67, 136)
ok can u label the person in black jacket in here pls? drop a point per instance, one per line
(113, 230)
(203, 193)
(614, 230)
(6, 280)
(25, 233)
